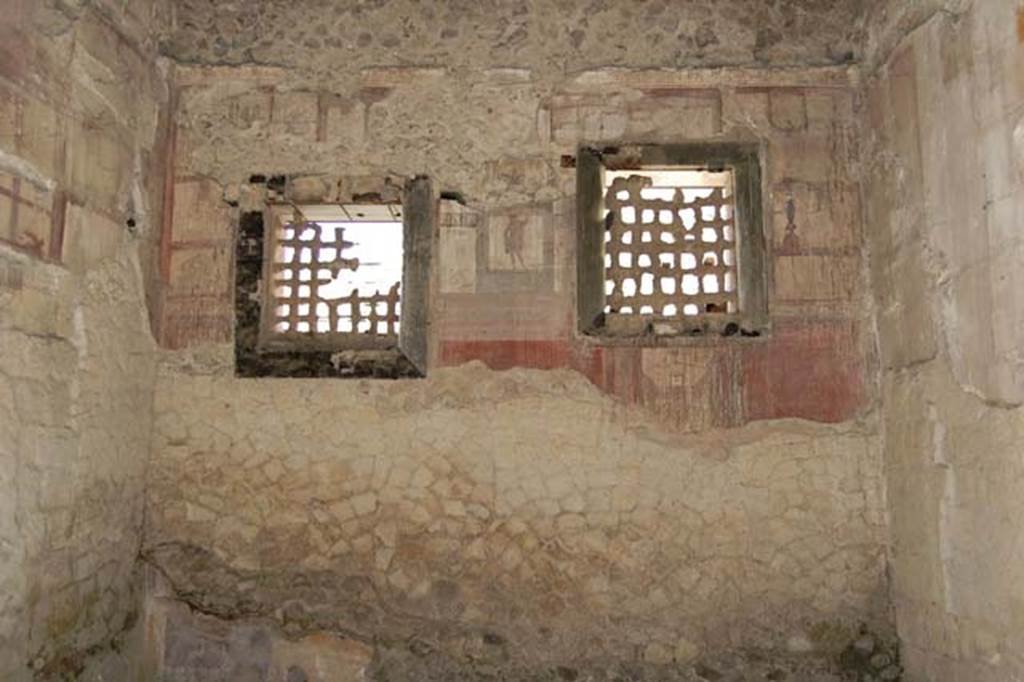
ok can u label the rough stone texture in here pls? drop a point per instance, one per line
(627, 513)
(202, 647)
(944, 143)
(563, 521)
(555, 35)
(523, 505)
(80, 121)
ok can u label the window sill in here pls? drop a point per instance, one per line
(340, 364)
(651, 339)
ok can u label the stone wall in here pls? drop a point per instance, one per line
(523, 506)
(555, 36)
(82, 107)
(498, 138)
(625, 503)
(944, 143)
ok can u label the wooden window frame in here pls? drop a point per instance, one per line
(257, 355)
(744, 159)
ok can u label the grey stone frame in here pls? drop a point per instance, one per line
(752, 258)
(405, 360)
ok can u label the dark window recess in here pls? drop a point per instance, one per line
(320, 288)
(671, 241)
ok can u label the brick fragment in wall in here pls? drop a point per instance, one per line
(200, 645)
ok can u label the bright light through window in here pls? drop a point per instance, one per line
(334, 277)
(378, 247)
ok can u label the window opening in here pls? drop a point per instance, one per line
(336, 274)
(681, 251)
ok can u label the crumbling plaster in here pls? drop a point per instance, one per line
(477, 504)
(551, 36)
(525, 507)
(81, 113)
(524, 503)
(944, 197)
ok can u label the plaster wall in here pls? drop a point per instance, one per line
(554, 501)
(81, 113)
(944, 150)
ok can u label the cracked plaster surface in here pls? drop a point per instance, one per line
(76, 380)
(80, 102)
(523, 501)
(944, 210)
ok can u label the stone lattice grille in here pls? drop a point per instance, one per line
(308, 258)
(670, 246)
